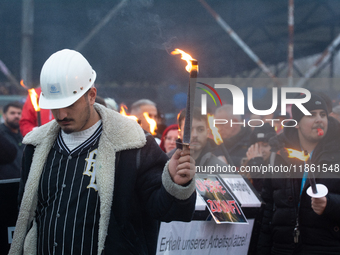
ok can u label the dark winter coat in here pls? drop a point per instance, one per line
(12, 170)
(135, 192)
(319, 233)
(8, 150)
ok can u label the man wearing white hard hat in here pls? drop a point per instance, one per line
(93, 181)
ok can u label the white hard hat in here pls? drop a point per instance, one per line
(65, 77)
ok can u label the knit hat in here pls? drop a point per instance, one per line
(165, 132)
(315, 103)
(262, 134)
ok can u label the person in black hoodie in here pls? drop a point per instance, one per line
(293, 222)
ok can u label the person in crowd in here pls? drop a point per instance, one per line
(293, 222)
(169, 137)
(141, 106)
(93, 181)
(236, 136)
(10, 128)
(161, 124)
(256, 120)
(111, 104)
(8, 150)
(29, 119)
(259, 152)
(278, 123)
(203, 149)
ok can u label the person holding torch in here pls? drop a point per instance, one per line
(294, 222)
(93, 182)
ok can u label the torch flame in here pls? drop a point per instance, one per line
(123, 112)
(23, 85)
(152, 123)
(34, 99)
(33, 96)
(297, 154)
(186, 57)
(214, 130)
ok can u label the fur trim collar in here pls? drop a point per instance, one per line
(119, 131)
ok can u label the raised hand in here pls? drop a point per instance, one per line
(182, 167)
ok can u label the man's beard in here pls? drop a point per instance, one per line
(13, 124)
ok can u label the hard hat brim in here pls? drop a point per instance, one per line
(58, 103)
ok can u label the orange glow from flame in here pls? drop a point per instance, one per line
(123, 112)
(23, 85)
(33, 96)
(152, 123)
(34, 99)
(214, 130)
(186, 57)
(297, 154)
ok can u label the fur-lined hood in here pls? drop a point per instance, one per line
(123, 135)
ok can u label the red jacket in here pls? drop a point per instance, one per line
(29, 117)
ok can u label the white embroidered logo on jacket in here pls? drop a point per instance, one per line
(91, 165)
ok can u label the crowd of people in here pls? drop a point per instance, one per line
(109, 182)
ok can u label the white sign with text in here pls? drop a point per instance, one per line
(204, 238)
(240, 188)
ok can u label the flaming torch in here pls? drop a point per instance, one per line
(192, 68)
(218, 139)
(315, 190)
(123, 112)
(152, 123)
(34, 100)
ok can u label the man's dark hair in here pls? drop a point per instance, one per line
(15, 104)
(196, 115)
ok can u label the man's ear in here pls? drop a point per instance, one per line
(92, 95)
